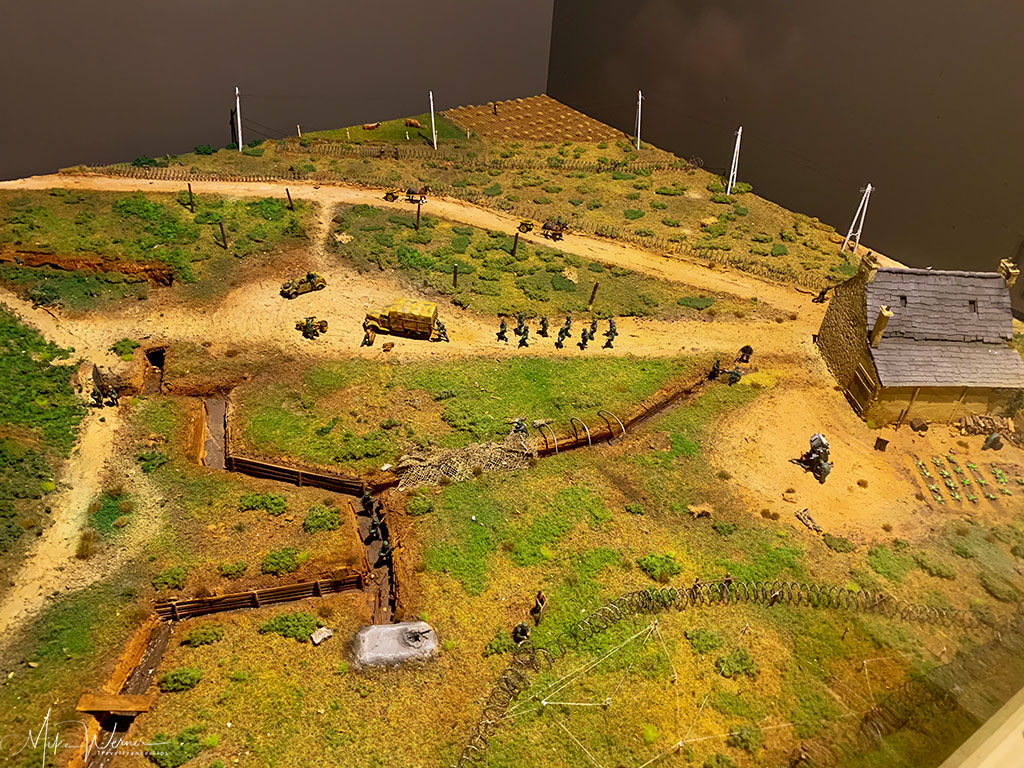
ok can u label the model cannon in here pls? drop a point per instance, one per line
(311, 327)
(300, 285)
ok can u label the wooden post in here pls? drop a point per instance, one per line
(291, 205)
(298, 129)
(191, 200)
(419, 204)
(455, 275)
(515, 244)
(223, 236)
(593, 293)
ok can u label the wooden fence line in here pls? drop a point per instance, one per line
(351, 486)
(173, 610)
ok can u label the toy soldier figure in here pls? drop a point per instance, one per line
(524, 337)
(520, 325)
(734, 376)
(816, 460)
(367, 502)
(715, 369)
(442, 332)
(562, 336)
(519, 427)
(540, 604)
(745, 352)
(568, 324)
(374, 530)
(593, 328)
(612, 331)
(520, 633)
(366, 342)
(503, 331)
(993, 442)
(822, 297)
(608, 342)
(385, 552)
(584, 338)
(543, 327)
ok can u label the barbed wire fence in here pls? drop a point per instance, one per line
(893, 713)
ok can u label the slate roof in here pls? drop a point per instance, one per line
(903, 362)
(948, 329)
(937, 304)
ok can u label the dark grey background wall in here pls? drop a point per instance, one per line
(108, 80)
(923, 98)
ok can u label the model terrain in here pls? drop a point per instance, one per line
(253, 474)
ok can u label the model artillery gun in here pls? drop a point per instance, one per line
(311, 327)
(405, 317)
(552, 230)
(816, 460)
(300, 285)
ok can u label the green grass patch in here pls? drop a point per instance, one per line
(736, 663)
(321, 518)
(661, 568)
(703, 640)
(180, 679)
(298, 625)
(887, 563)
(272, 503)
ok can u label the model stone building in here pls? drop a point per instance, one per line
(934, 344)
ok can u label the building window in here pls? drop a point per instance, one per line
(973, 304)
(903, 301)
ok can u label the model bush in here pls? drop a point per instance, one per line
(633, 213)
(270, 502)
(280, 561)
(661, 568)
(321, 518)
(696, 302)
(203, 635)
(499, 644)
(419, 504)
(779, 249)
(232, 570)
(298, 625)
(838, 543)
(738, 662)
(170, 578)
(703, 640)
(748, 738)
(125, 348)
(934, 567)
(171, 752)
(180, 679)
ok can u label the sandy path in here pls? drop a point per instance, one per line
(674, 269)
(50, 566)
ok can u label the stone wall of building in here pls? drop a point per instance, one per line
(842, 337)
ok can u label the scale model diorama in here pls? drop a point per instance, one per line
(492, 437)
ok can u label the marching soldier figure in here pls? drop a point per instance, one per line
(503, 331)
(593, 328)
(562, 336)
(612, 330)
(568, 324)
(584, 338)
(442, 332)
(745, 352)
(715, 369)
(374, 530)
(608, 342)
(520, 324)
(367, 502)
(524, 337)
(543, 327)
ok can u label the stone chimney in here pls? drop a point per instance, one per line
(1009, 272)
(884, 313)
(868, 266)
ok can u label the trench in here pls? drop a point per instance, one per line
(383, 583)
(115, 727)
(153, 371)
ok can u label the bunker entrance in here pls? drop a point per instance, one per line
(153, 375)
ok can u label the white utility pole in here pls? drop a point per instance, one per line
(735, 162)
(433, 130)
(639, 105)
(858, 220)
(238, 117)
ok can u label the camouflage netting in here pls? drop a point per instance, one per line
(428, 467)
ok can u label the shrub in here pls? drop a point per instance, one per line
(962, 550)
(204, 149)
(494, 190)
(721, 197)
(779, 249)
(659, 567)
(180, 679)
(748, 738)
(203, 635)
(321, 518)
(737, 663)
(838, 543)
(670, 222)
(674, 191)
(125, 348)
(500, 643)
(280, 561)
(723, 529)
(890, 565)
(270, 502)
(419, 504)
(649, 734)
(703, 641)
(633, 213)
(718, 760)
(595, 266)
(622, 176)
(635, 509)
(232, 570)
(298, 625)
(934, 567)
(169, 752)
(998, 587)
(741, 188)
(170, 578)
(696, 302)
(151, 460)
